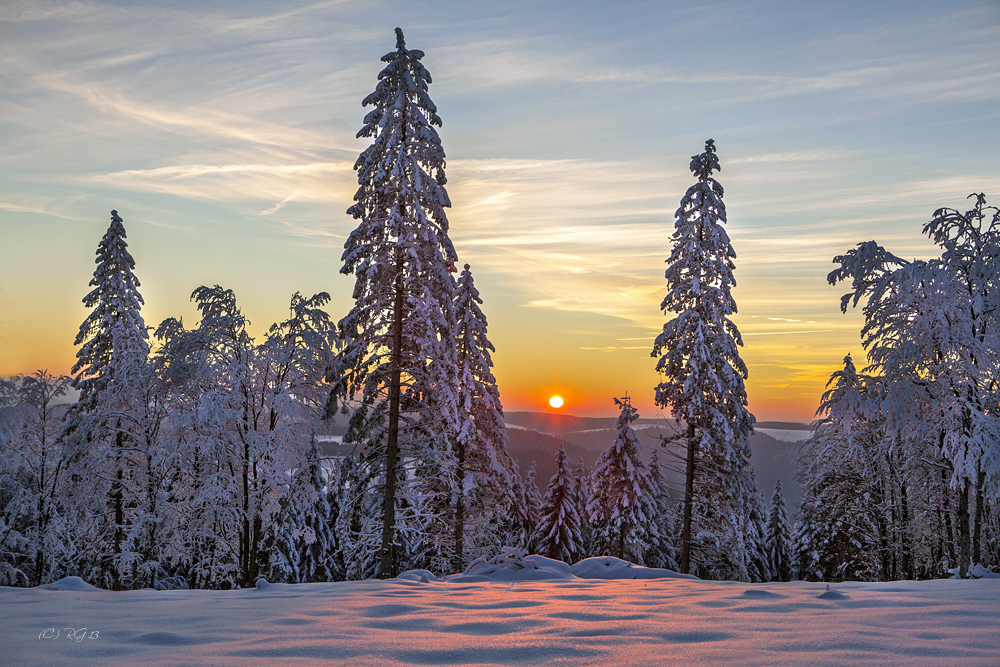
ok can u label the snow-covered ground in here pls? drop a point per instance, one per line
(564, 621)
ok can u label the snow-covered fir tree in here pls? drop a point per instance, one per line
(358, 519)
(306, 541)
(558, 533)
(520, 524)
(532, 505)
(779, 537)
(113, 348)
(757, 561)
(872, 509)
(397, 367)
(483, 466)
(837, 526)
(731, 520)
(621, 503)
(662, 531)
(581, 488)
(697, 351)
(114, 325)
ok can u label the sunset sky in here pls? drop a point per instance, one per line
(224, 134)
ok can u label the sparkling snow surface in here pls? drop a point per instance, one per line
(561, 622)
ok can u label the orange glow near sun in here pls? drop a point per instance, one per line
(556, 401)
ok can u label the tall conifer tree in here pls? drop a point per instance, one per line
(558, 533)
(621, 505)
(113, 349)
(483, 465)
(399, 351)
(698, 349)
(661, 534)
(779, 537)
(114, 328)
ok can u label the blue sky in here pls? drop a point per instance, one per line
(224, 134)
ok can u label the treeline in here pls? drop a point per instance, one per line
(205, 472)
(191, 457)
(193, 461)
(901, 478)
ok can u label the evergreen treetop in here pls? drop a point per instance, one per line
(620, 504)
(698, 349)
(114, 326)
(558, 534)
(779, 537)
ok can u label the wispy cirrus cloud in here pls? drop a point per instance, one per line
(315, 182)
(34, 208)
(568, 134)
(203, 121)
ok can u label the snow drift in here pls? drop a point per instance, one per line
(569, 621)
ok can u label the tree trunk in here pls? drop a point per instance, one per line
(977, 526)
(116, 581)
(245, 536)
(458, 559)
(905, 536)
(963, 531)
(688, 499)
(387, 566)
(949, 524)
(151, 502)
(258, 528)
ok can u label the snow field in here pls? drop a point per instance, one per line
(556, 622)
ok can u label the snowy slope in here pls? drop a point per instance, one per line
(564, 622)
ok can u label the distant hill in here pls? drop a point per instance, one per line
(774, 460)
(587, 437)
(527, 445)
(536, 436)
(544, 422)
(784, 426)
(556, 424)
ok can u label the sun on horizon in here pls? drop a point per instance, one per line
(556, 401)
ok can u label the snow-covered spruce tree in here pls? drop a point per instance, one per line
(358, 518)
(306, 543)
(698, 352)
(113, 344)
(483, 466)
(532, 505)
(558, 532)
(115, 302)
(779, 537)
(581, 488)
(877, 503)
(621, 505)
(932, 333)
(844, 523)
(757, 561)
(731, 520)
(399, 347)
(519, 525)
(661, 527)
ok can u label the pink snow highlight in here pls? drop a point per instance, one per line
(574, 622)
